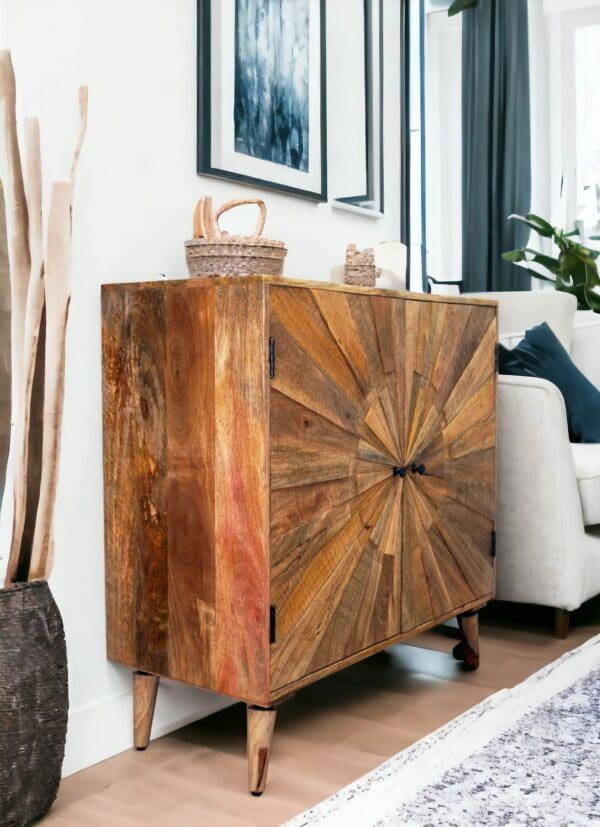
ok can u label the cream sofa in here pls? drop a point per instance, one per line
(548, 532)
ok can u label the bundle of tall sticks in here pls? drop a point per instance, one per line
(40, 295)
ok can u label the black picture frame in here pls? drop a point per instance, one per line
(204, 111)
(373, 170)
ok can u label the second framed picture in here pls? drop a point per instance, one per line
(262, 110)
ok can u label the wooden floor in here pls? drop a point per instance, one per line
(326, 737)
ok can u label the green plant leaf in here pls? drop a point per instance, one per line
(592, 300)
(515, 255)
(564, 282)
(528, 254)
(575, 269)
(542, 223)
(550, 263)
(538, 224)
(460, 5)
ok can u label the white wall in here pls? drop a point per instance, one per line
(135, 193)
(444, 145)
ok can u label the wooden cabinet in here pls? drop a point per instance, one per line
(297, 475)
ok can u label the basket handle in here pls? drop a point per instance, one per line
(204, 220)
(238, 202)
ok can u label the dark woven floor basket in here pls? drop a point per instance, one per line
(33, 702)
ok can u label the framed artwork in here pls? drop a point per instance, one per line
(356, 103)
(262, 116)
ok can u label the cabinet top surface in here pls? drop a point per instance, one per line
(277, 281)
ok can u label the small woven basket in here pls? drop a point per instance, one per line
(218, 254)
(34, 702)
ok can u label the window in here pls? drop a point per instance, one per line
(565, 66)
(435, 142)
(587, 103)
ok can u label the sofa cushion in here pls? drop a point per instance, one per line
(523, 309)
(540, 354)
(587, 468)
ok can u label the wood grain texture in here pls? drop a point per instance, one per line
(449, 433)
(190, 388)
(465, 301)
(185, 505)
(335, 500)
(57, 301)
(135, 477)
(241, 491)
(34, 453)
(145, 689)
(468, 649)
(5, 357)
(301, 492)
(365, 385)
(280, 694)
(19, 269)
(260, 726)
(32, 176)
(57, 294)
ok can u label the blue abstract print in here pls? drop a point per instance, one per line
(271, 105)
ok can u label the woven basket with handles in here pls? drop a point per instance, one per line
(214, 253)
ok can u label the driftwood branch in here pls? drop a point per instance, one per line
(4, 348)
(83, 116)
(33, 287)
(57, 308)
(33, 318)
(58, 262)
(20, 263)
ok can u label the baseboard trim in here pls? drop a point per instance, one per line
(99, 730)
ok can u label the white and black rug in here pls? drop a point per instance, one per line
(525, 756)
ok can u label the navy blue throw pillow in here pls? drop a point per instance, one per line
(541, 354)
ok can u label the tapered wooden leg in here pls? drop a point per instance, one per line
(260, 725)
(468, 648)
(145, 688)
(562, 622)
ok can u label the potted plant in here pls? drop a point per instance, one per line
(33, 661)
(574, 270)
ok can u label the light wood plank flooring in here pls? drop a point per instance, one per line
(327, 736)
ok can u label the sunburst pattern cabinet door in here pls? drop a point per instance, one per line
(335, 500)
(449, 432)
(363, 547)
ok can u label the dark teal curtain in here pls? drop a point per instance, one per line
(496, 142)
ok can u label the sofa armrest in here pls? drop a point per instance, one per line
(585, 345)
(539, 521)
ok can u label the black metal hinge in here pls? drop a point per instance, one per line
(272, 623)
(493, 549)
(271, 357)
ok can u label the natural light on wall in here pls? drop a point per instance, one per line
(565, 105)
(587, 72)
(443, 129)
(564, 48)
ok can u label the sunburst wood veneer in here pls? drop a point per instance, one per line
(296, 475)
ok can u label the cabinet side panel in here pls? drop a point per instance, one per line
(241, 649)
(135, 477)
(191, 494)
